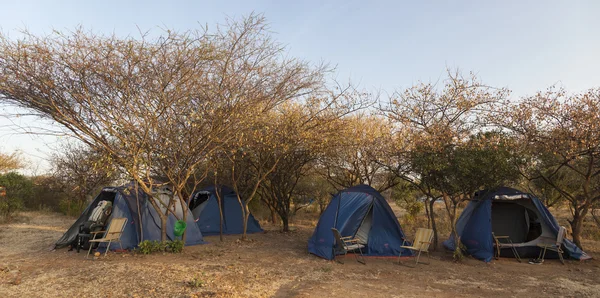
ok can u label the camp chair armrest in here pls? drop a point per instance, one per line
(550, 239)
(501, 237)
(347, 237)
(352, 240)
(97, 232)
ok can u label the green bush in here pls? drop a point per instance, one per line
(175, 246)
(18, 189)
(147, 247)
(71, 207)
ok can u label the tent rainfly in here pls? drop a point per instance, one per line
(361, 212)
(143, 221)
(205, 209)
(508, 212)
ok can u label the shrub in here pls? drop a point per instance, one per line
(459, 252)
(196, 282)
(48, 194)
(147, 247)
(18, 189)
(175, 246)
(71, 207)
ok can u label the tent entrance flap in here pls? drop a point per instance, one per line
(365, 227)
(73, 231)
(199, 198)
(512, 219)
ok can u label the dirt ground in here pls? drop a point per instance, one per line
(272, 264)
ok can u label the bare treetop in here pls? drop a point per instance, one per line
(155, 106)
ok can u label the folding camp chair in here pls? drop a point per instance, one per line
(423, 239)
(112, 234)
(508, 243)
(556, 246)
(346, 244)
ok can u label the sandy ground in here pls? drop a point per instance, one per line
(272, 264)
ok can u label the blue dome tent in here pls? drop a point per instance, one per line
(508, 212)
(205, 208)
(143, 221)
(362, 212)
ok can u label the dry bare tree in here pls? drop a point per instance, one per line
(305, 131)
(429, 121)
(80, 171)
(360, 155)
(154, 106)
(560, 132)
(10, 162)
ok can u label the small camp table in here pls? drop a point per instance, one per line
(508, 243)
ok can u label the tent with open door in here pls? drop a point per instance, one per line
(361, 212)
(143, 221)
(205, 208)
(508, 212)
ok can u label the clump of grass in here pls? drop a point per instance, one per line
(458, 255)
(196, 282)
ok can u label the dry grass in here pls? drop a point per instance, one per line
(273, 264)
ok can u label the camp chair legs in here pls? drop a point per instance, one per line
(416, 259)
(361, 257)
(107, 249)
(542, 254)
(516, 253)
(114, 232)
(360, 260)
(345, 244)
(423, 239)
(508, 243)
(89, 250)
(560, 256)
(557, 246)
(91, 245)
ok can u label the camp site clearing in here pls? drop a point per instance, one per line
(271, 264)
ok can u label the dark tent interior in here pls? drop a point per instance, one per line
(516, 220)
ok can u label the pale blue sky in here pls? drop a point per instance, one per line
(523, 45)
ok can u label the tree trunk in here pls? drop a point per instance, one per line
(427, 215)
(220, 204)
(454, 233)
(244, 208)
(220, 218)
(596, 218)
(577, 225)
(245, 223)
(184, 208)
(139, 219)
(285, 223)
(163, 227)
(273, 215)
(433, 225)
